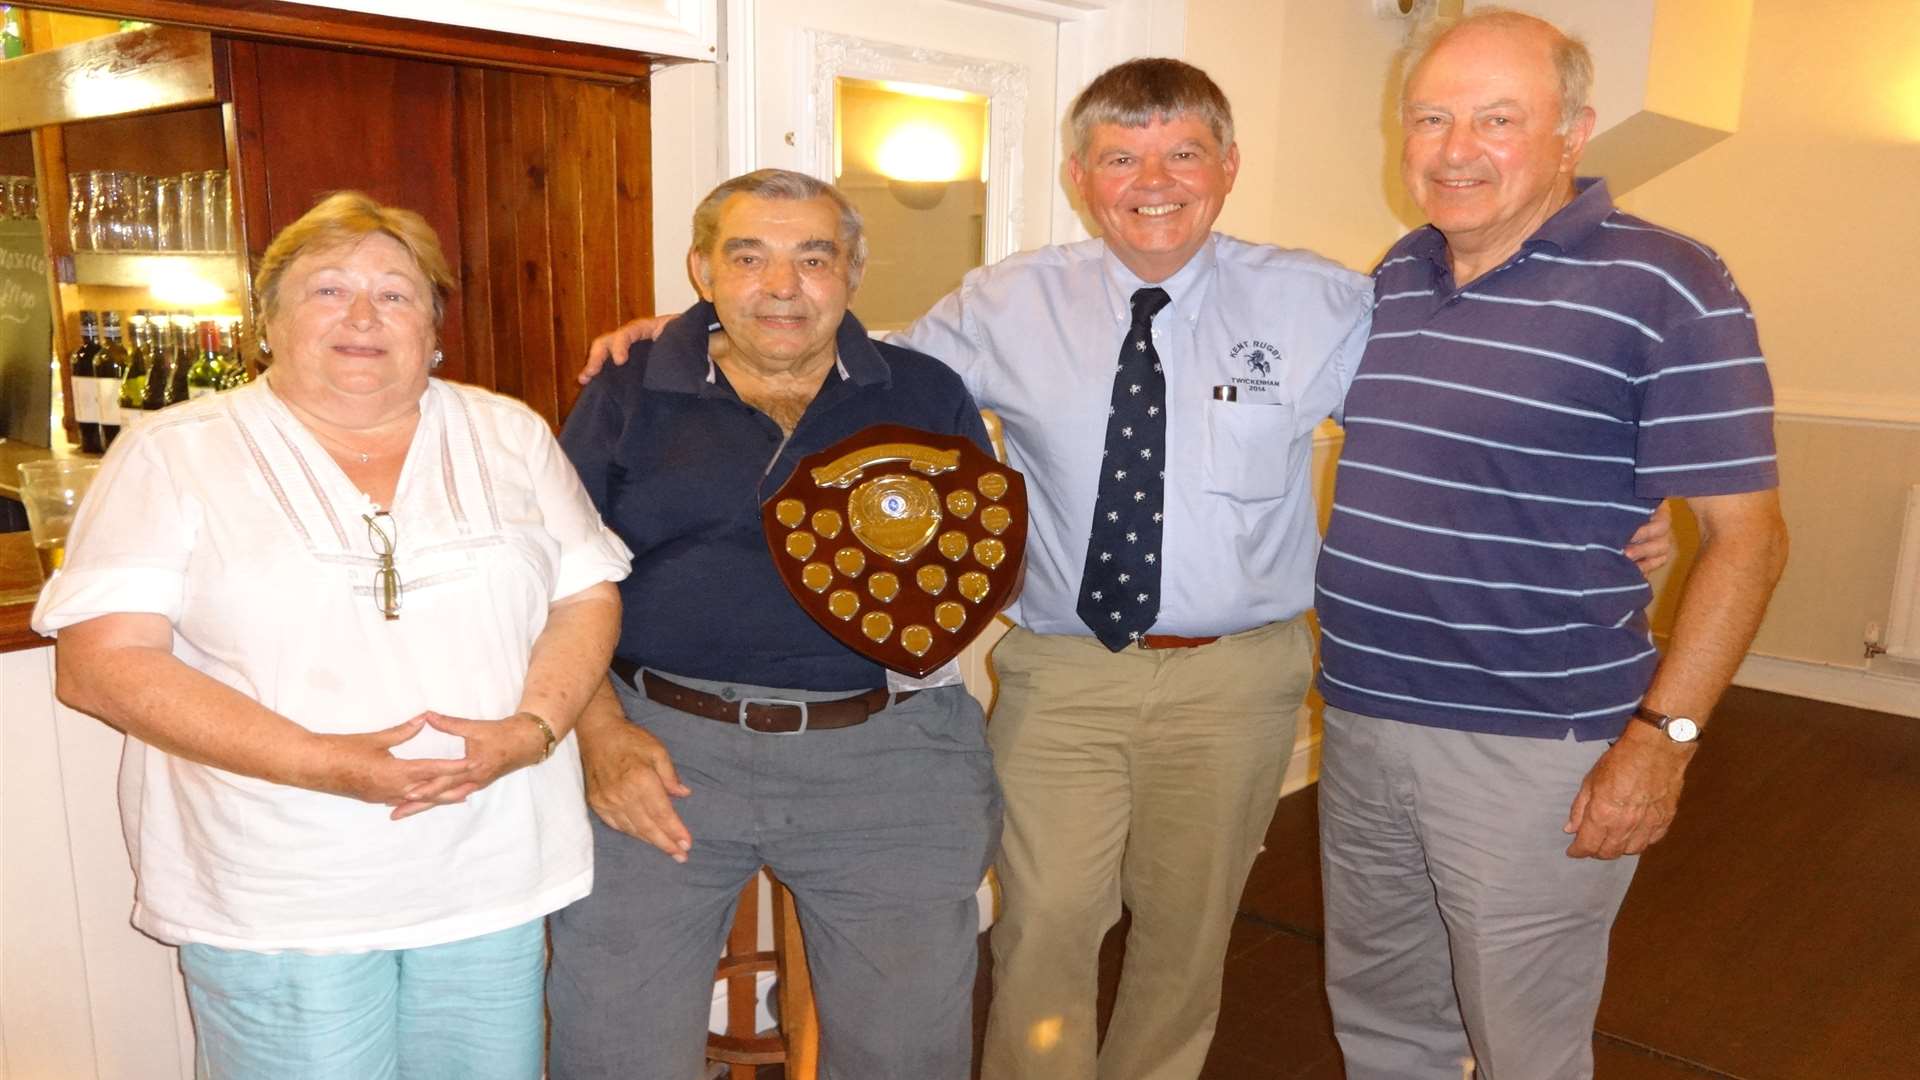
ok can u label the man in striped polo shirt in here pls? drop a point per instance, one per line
(1542, 371)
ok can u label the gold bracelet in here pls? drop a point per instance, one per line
(547, 730)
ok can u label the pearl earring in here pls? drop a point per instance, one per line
(438, 359)
(265, 349)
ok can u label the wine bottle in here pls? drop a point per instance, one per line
(133, 385)
(184, 354)
(153, 396)
(109, 367)
(86, 391)
(204, 376)
(233, 371)
(12, 44)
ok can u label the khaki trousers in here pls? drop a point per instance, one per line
(1144, 778)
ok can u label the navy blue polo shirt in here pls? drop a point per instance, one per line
(1503, 442)
(679, 466)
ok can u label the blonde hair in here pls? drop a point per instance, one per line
(345, 218)
(1137, 92)
(1572, 63)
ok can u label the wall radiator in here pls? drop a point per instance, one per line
(1903, 625)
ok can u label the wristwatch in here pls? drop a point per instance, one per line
(1680, 729)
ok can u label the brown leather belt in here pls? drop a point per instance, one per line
(1174, 641)
(768, 716)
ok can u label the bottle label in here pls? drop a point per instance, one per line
(86, 399)
(109, 402)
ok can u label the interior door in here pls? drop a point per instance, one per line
(814, 59)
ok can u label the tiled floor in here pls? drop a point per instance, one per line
(1774, 935)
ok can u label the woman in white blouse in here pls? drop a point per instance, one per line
(346, 616)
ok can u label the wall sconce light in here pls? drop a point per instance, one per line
(919, 194)
(919, 161)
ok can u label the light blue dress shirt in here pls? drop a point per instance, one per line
(1258, 345)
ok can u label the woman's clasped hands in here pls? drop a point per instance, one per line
(363, 766)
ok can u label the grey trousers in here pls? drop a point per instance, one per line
(1456, 925)
(883, 832)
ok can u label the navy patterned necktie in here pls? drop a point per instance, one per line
(1120, 587)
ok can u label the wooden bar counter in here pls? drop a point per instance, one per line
(19, 588)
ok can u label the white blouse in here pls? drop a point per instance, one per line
(227, 517)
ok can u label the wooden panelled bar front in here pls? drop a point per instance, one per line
(539, 186)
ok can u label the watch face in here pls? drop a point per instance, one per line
(1681, 729)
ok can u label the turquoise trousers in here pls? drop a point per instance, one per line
(465, 1010)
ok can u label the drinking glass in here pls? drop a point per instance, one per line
(19, 199)
(99, 211)
(193, 212)
(215, 205)
(114, 211)
(146, 225)
(79, 211)
(166, 214)
(51, 490)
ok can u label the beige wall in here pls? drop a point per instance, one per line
(1306, 78)
(1814, 203)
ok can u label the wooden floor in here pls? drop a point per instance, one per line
(1774, 935)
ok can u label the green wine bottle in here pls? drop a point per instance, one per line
(133, 385)
(12, 44)
(204, 376)
(233, 371)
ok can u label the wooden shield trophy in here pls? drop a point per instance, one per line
(904, 544)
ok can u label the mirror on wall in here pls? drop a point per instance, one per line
(914, 158)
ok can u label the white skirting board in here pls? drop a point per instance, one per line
(1903, 621)
(1862, 688)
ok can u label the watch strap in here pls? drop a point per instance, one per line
(1661, 720)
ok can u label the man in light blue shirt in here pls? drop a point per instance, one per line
(1145, 768)
(1149, 692)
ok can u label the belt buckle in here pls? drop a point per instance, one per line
(746, 701)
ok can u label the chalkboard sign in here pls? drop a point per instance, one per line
(26, 334)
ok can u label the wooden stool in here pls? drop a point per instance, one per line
(796, 1039)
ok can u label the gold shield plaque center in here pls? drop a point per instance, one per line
(895, 515)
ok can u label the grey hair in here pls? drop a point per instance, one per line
(780, 184)
(1137, 92)
(1572, 63)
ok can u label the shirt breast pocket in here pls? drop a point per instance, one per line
(1250, 449)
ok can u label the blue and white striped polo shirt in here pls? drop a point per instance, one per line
(1503, 442)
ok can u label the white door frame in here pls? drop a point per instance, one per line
(704, 128)
(1094, 35)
